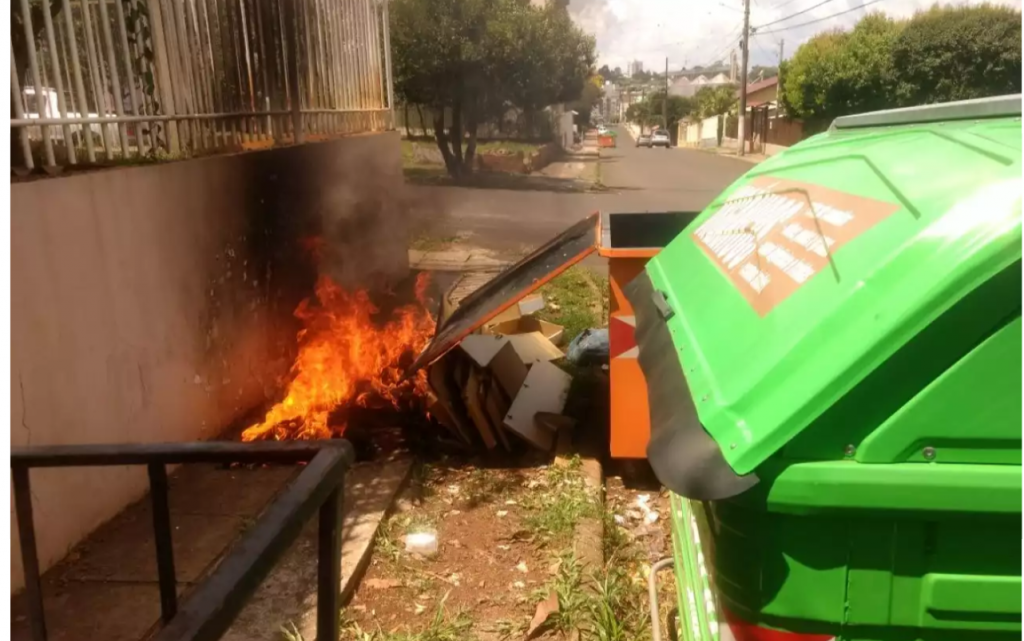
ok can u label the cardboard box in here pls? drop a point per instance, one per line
(525, 325)
(528, 305)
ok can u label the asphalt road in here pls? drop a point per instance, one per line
(637, 180)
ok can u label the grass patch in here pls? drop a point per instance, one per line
(576, 299)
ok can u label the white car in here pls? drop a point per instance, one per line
(660, 139)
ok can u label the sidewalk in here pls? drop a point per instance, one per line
(107, 586)
(732, 153)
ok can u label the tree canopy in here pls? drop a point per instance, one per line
(943, 54)
(958, 53)
(838, 73)
(475, 59)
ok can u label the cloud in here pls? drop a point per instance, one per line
(699, 32)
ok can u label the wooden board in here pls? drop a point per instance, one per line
(471, 396)
(437, 376)
(496, 405)
(544, 390)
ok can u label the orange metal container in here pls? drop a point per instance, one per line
(628, 241)
(606, 141)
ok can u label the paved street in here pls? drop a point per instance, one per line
(637, 180)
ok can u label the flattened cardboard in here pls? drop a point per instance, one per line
(509, 369)
(530, 304)
(482, 347)
(533, 347)
(544, 390)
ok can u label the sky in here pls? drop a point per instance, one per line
(699, 32)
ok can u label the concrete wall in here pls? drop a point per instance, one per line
(155, 303)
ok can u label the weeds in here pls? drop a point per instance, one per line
(484, 486)
(510, 630)
(443, 626)
(553, 514)
(572, 598)
(386, 545)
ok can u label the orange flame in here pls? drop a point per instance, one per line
(347, 357)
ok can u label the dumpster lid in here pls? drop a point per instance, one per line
(511, 286)
(819, 264)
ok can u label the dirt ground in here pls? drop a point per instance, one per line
(505, 534)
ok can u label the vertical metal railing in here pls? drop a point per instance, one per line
(209, 610)
(102, 80)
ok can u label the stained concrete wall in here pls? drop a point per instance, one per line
(155, 303)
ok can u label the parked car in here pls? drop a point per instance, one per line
(643, 140)
(660, 139)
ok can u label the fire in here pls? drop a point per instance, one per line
(347, 357)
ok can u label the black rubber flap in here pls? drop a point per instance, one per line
(511, 286)
(682, 454)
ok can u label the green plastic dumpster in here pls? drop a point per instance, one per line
(832, 351)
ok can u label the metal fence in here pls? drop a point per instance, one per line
(210, 608)
(99, 80)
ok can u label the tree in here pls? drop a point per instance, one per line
(474, 59)
(679, 107)
(958, 53)
(943, 54)
(589, 97)
(713, 101)
(838, 73)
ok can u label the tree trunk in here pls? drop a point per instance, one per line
(406, 114)
(442, 142)
(471, 126)
(423, 122)
(455, 140)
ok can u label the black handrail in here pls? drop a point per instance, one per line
(210, 609)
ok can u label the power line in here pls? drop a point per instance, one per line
(729, 44)
(810, 22)
(792, 15)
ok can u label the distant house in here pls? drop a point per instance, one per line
(768, 128)
(764, 93)
(687, 87)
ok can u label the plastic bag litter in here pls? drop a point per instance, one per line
(591, 346)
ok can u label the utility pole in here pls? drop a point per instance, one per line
(743, 77)
(664, 102)
(778, 87)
